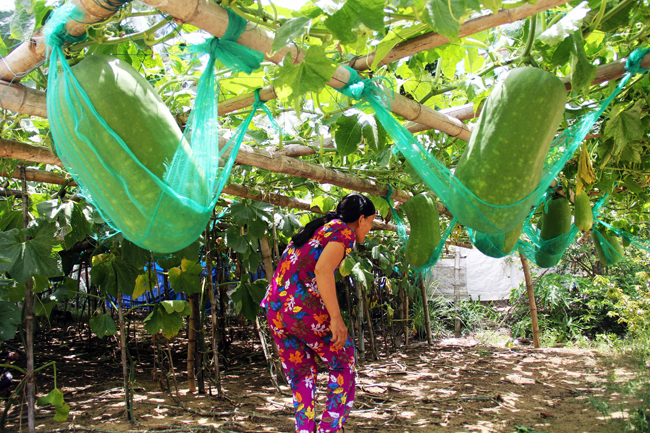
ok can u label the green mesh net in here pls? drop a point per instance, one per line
(469, 209)
(154, 183)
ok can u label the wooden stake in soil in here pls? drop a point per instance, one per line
(360, 309)
(213, 308)
(425, 310)
(191, 345)
(125, 366)
(457, 330)
(531, 300)
(29, 321)
(371, 333)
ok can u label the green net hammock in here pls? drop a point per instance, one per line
(154, 183)
(470, 210)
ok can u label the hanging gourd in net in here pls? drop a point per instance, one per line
(147, 178)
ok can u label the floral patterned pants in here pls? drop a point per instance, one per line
(300, 338)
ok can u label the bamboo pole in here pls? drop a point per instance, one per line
(213, 305)
(191, 342)
(30, 54)
(247, 155)
(123, 349)
(531, 300)
(29, 322)
(432, 39)
(425, 309)
(212, 18)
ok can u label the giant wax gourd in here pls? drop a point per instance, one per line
(584, 216)
(608, 249)
(119, 138)
(498, 246)
(555, 224)
(503, 161)
(422, 213)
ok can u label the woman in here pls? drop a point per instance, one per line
(304, 314)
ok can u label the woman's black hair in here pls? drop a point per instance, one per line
(349, 209)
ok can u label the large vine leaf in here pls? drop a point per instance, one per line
(31, 257)
(113, 274)
(290, 31)
(103, 325)
(444, 17)
(10, 316)
(186, 278)
(347, 135)
(235, 240)
(161, 320)
(293, 81)
(395, 37)
(248, 296)
(583, 71)
(624, 126)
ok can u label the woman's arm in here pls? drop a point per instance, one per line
(327, 263)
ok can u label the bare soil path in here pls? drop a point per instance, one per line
(457, 385)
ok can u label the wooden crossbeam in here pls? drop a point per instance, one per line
(247, 155)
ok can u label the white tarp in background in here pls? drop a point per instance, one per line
(480, 276)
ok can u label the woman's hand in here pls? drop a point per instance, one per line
(339, 332)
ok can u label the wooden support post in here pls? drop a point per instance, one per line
(191, 343)
(531, 299)
(371, 333)
(425, 310)
(457, 330)
(360, 310)
(29, 321)
(213, 306)
(124, 358)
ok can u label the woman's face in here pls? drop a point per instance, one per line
(365, 224)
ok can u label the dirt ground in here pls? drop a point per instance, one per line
(457, 385)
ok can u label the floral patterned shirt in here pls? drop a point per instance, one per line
(293, 287)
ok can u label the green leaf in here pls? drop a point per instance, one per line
(290, 31)
(186, 278)
(43, 308)
(444, 17)
(54, 397)
(624, 126)
(22, 22)
(248, 296)
(28, 258)
(569, 24)
(61, 412)
(251, 261)
(112, 274)
(368, 12)
(493, 5)
(294, 81)
(347, 135)
(324, 203)
(341, 24)
(358, 274)
(182, 308)
(41, 283)
(346, 266)
(103, 325)
(394, 38)
(10, 317)
(142, 284)
(257, 228)
(160, 320)
(135, 255)
(191, 252)
(78, 227)
(235, 240)
(582, 71)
